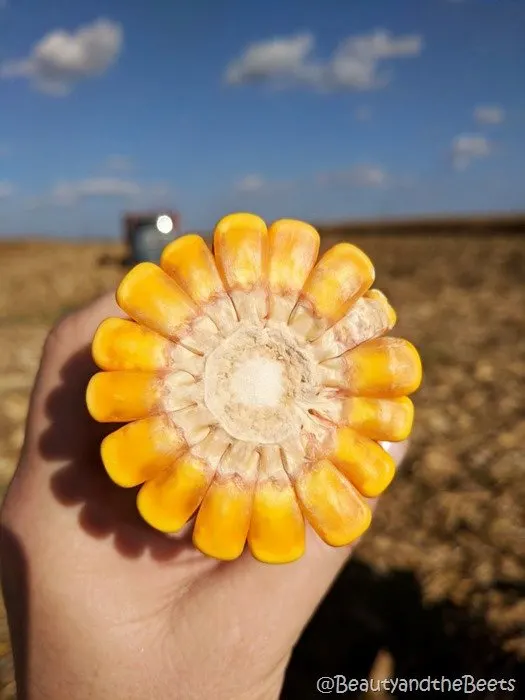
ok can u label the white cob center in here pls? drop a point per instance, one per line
(256, 381)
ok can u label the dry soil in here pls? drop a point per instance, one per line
(438, 582)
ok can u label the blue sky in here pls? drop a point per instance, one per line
(369, 108)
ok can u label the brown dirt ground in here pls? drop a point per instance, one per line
(438, 582)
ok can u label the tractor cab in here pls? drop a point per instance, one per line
(147, 234)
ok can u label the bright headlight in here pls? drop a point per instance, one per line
(164, 224)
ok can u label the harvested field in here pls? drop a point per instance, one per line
(438, 582)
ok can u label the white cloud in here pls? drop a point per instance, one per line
(275, 58)
(6, 190)
(119, 163)
(61, 58)
(250, 183)
(361, 175)
(469, 147)
(356, 64)
(364, 175)
(66, 192)
(255, 184)
(489, 114)
(70, 192)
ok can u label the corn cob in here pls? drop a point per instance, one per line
(256, 384)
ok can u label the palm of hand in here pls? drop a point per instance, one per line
(128, 612)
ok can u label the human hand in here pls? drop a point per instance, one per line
(101, 605)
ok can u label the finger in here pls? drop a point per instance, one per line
(75, 331)
(287, 595)
(69, 341)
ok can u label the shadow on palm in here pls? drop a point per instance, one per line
(106, 509)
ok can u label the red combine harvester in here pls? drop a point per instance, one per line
(147, 233)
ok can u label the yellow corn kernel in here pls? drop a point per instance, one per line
(119, 397)
(340, 277)
(379, 419)
(141, 450)
(169, 501)
(152, 298)
(120, 344)
(363, 462)
(223, 520)
(370, 317)
(190, 262)
(293, 250)
(240, 244)
(334, 508)
(277, 531)
(381, 368)
(377, 296)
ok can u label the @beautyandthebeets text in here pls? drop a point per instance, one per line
(466, 684)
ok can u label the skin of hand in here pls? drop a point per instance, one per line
(102, 606)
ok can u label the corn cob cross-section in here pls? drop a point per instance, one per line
(256, 384)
